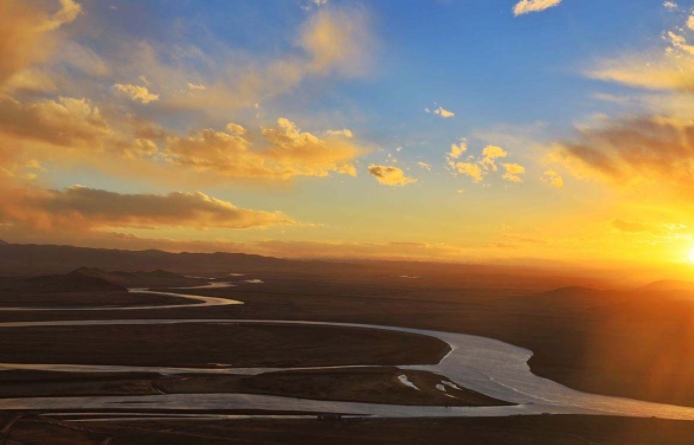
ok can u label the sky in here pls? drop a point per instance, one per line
(533, 132)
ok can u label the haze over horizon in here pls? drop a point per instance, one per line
(499, 132)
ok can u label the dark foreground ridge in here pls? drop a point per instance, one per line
(538, 430)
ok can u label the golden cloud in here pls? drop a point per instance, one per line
(512, 172)
(391, 176)
(137, 93)
(669, 68)
(552, 178)
(337, 249)
(67, 122)
(457, 150)
(469, 169)
(658, 230)
(441, 112)
(86, 208)
(290, 152)
(650, 149)
(24, 30)
(490, 154)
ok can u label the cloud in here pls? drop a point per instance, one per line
(67, 122)
(137, 93)
(440, 111)
(24, 31)
(424, 165)
(341, 249)
(391, 176)
(552, 178)
(337, 42)
(308, 5)
(457, 150)
(86, 208)
(657, 68)
(69, 11)
(469, 169)
(513, 171)
(290, 152)
(344, 132)
(654, 150)
(490, 154)
(670, 5)
(655, 229)
(196, 87)
(528, 6)
(79, 128)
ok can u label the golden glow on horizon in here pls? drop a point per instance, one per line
(117, 144)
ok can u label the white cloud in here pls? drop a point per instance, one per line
(670, 5)
(440, 111)
(344, 133)
(528, 6)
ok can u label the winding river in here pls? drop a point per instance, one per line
(488, 366)
(202, 301)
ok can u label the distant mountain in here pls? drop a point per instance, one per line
(668, 285)
(4, 243)
(32, 260)
(81, 280)
(18, 259)
(159, 274)
(572, 291)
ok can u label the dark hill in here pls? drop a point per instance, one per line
(159, 274)
(76, 281)
(32, 260)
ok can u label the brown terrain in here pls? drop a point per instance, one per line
(637, 343)
(545, 430)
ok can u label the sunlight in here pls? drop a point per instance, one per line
(691, 255)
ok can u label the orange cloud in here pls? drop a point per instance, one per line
(391, 176)
(337, 249)
(81, 207)
(24, 33)
(137, 93)
(650, 149)
(290, 152)
(67, 122)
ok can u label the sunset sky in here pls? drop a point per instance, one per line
(555, 131)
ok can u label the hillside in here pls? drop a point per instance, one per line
(668, 285)
(76, 281)
(32, 260)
